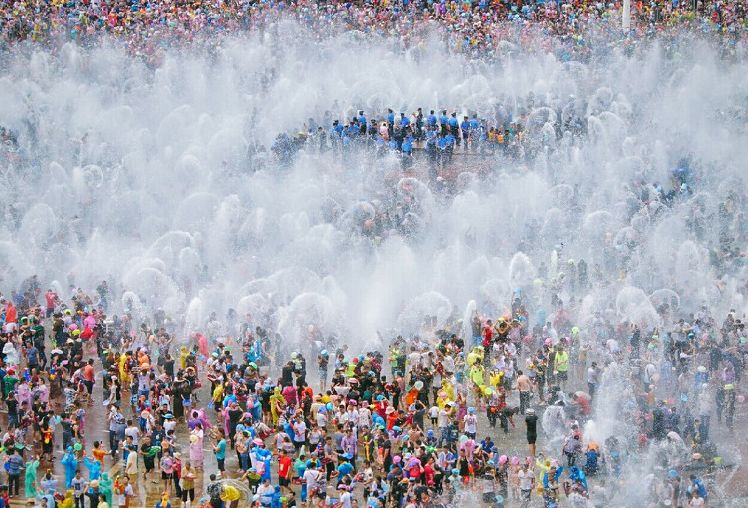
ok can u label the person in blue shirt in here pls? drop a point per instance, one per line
(407, 158)
(404, 121)
(431, 135)
(408, 144)
(441, 143)
(344, 468)
(698, 485)
(345, 142)
(390, 121)
(32, 356)
(450, 141)
(432, 121)
(474, 123)
(352, 129)
(219, 449)
(454, 127)
(390, 116)
(13, 467)
(590, 466)
(465, 128)
(362, 122)
(443, 120)
(486, 444)
(334, 135)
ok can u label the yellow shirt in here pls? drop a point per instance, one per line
(562, 361)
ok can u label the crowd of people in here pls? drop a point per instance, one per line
(439, 133)
(508, 407)
(468, 25)
(423, 421)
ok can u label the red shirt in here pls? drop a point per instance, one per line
(11, 314)
(284, 466)
(429, 473)
(88, 373)
(51, 297)
(487, 335)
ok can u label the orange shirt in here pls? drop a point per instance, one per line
(88, 373)
(99, 454)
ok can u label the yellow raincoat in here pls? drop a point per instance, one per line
(276, 402)
(476, 374)
(183, 354)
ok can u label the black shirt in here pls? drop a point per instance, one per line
(286, 377)
(532, 424)
(235, 415)
(169, 367)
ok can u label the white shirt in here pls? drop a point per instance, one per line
(649, 371)
(299, 431)
(471, 423)
(364, 417)
(443, 420)
(311, 476)
(170, 425)
(266, 492)
(349, 416)
(133, 432)
(321, 420)
(525, 479)
(449, 364)
(345, 500)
